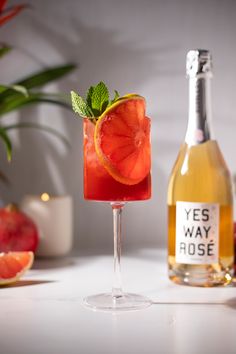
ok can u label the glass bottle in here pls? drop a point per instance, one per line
(200, 199)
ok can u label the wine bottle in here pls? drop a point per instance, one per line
(200, 197)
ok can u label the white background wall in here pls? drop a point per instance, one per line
(134, 46)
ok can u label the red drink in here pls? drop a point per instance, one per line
(99, 184)
(117, 164)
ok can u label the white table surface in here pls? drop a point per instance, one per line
(44, 313)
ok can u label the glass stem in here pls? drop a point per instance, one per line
(117, 283)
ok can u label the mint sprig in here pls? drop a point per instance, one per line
(96, 102)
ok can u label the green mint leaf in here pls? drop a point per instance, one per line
(99, 98)
(80, 106)
(89, 96)
(96, 101)
(117, 95)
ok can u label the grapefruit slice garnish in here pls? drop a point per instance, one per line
(13, 265)
(122, 140)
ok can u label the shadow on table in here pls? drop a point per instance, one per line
(52, 263)
(231, 303)
(20, 283)
(43, 263)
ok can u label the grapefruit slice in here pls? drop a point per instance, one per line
(13, 265)
(122, 140)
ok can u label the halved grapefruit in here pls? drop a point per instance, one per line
(122, 140)
(13, 265)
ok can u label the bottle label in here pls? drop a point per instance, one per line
(197, 233)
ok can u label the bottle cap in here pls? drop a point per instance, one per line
(199, 63)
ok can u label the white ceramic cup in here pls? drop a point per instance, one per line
(53, 216)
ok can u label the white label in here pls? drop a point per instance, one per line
(197, 233)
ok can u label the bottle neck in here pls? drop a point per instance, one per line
(199, 120)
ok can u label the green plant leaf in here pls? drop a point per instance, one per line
(80, 106)
(20, 89)
(100, 98)
(12, 89)
(18, 95)
(45, 76)
(7, 142)
(3, 88)
(39, 79)
(38, 126)
(4, 49)
(17, 101)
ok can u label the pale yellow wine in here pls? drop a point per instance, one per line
(200, 175)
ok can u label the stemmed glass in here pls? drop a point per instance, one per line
(100, 185)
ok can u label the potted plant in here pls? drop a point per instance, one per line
(28, 90)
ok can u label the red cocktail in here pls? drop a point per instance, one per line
(117, 163)
(99, 184)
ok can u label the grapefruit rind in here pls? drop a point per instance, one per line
(104, 159)
(17, 257)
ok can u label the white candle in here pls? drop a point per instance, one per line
(53, 217)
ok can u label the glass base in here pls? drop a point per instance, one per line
(108, 302)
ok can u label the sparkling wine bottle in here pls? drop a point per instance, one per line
(200, 198)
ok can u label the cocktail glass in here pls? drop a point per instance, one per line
(99, 185)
